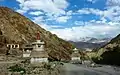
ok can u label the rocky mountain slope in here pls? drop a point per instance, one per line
(15, 28)
(110, 53)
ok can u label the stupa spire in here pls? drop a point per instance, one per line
(38, 35)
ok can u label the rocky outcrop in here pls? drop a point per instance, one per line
(110, 53)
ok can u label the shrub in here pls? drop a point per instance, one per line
(17, 68)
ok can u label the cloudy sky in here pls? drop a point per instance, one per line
(72, 19)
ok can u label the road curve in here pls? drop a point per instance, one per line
(71, 69)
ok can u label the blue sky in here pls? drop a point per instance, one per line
(72, 19)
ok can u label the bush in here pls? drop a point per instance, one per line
(17, 68)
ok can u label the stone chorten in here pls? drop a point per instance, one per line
(38, 53)
(75, 55)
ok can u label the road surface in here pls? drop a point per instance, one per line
(71, 69)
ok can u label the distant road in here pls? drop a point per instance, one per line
(71, 69)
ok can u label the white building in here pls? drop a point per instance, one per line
(13, 49)
(75, 55)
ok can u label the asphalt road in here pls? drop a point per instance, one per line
(71, 69)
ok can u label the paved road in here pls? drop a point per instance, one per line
(71, 69)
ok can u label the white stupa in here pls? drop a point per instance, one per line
(38, 53)
(75, 55)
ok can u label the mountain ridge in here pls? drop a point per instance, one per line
(91, 43)
(15, 28)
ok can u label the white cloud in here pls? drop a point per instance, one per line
(63, 18)
(50, 27)
(53, 9)
(21, 11)
(38, 19)
(60, 19)
(62, 4)
(90, 11)
(79, 23)
(36, 13)
(113, 2)
(49, 6)
(69, 13)
(91, 30)
(83, 11)
(20, 1)
(112, 13)
(21, 4)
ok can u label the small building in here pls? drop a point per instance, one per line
(38, 53)
(27, 49)
(13, 49)
(13, 46)
(75, 57)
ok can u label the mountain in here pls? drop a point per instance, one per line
(15, 28)
(84, 39)
(84, 45)
(109, 53)
(90, 42)
(95, 40)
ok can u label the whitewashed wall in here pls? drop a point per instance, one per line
(75, 58)
(36, 48)
(39, 60)
(26, 55)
